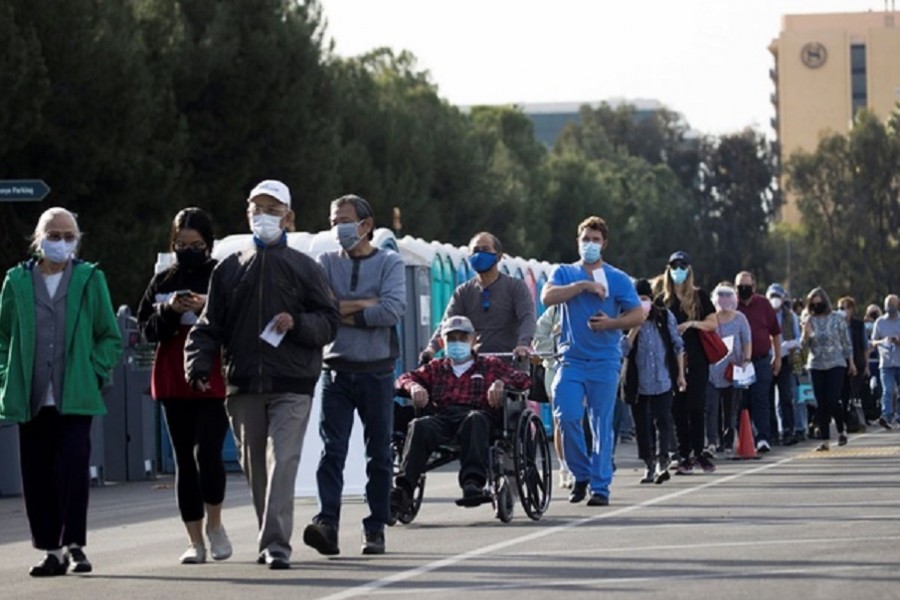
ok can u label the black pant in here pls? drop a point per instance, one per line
(197, 428)
(470, 427)
(652, 418)
(784, 381)
(55, 456)
(827, 389)
(689, 411)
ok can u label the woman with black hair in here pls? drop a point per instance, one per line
(196, 421)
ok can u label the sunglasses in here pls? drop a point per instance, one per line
(678, 264)
(486, 299)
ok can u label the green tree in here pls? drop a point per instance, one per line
(848, 192)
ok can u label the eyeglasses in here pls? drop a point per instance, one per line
(486, 299)
(55, 236)
(725, 293)
(274, 211)
(196, 246)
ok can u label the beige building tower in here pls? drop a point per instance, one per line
(828, 66)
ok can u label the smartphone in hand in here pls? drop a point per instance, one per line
(183, 293)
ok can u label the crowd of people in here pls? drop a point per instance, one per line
(245, 341)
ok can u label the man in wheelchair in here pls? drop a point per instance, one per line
(459, 399)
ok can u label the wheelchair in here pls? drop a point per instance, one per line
(519, 465)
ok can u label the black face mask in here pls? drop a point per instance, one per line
(745, 292)
(817, 308)
(190, 259)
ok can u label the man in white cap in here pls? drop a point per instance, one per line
(269, 312)
(464, 394)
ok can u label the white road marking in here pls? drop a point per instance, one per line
(373, 586)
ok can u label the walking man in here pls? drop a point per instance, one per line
(370, 287)
(269, 312)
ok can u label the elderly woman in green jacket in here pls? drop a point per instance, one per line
(58, 342)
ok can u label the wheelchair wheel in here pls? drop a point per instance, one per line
(533, 465)
(407, 516)
(504, 503)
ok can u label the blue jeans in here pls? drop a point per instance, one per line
(890, 381)
(372, 396)
(596, 381)
(759, 397)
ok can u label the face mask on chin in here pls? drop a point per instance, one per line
(266, 227)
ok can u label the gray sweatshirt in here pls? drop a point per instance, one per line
(370, 344)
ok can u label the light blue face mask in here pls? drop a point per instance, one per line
(459, 351)
(679, 275)
(590, 252)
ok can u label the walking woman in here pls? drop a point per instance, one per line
(196, 421)
(694, 312)
(827, 337)
(721, 408)
(58, 342)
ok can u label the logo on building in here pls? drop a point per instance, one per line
(813, 55)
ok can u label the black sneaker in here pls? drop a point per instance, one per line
(842, 440)
(789, 439)
(706, 464)
(50, 566)
(685, 467)
(277, 561)
(598, 500)
(579, 492)
(373, 542)
(323, 537)
(80, 563)
(884, 423)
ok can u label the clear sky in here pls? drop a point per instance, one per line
(707, 59)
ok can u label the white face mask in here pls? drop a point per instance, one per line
(59, 251)
(775, 302)
(266, 227)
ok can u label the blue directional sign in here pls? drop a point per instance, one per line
(23, 190)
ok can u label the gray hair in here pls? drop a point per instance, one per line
(41, 228)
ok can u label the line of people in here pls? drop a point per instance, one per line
(246, 340)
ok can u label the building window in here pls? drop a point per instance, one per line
(858, 95)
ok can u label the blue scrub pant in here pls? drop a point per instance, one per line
(595, 382)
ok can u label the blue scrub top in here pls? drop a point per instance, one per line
(577, 341)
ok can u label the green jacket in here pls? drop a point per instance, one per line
(93, 342)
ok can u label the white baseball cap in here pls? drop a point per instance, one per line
(274, 188)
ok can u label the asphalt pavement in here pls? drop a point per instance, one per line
(793, 524)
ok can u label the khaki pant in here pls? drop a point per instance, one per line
(269, 431)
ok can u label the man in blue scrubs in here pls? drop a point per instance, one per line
(598, 303)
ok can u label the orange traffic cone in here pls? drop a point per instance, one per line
(744, 447)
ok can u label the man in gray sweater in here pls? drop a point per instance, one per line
(370, 287)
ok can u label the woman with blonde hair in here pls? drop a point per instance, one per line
(694, 312)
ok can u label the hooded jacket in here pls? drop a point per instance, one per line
(93, 342)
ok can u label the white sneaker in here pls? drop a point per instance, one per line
(194, 555)
(763, 446)
(219, 544)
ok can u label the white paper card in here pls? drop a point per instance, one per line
(270, 336)
(744, 376)
(728, 340)
(600, 277)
